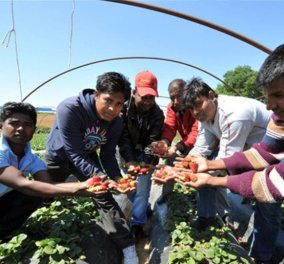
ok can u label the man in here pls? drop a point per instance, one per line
(20, 196)
(144, 122)
(236, 123)
(82, 142)
(178, 120)
(258, 172)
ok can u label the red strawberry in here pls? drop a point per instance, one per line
(122, 181)
(144, 171)
(96, 178)
(194, 177)
(185, 164)
(187, 176)
(193, 166)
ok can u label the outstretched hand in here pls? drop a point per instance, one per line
(201, 181)
(164, 174)
(201, 161)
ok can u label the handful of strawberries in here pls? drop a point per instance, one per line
(138, 170)
(184, 177)
(97, 185)
(160, 149)
(164, 173)
(125, 184)
(187, 163)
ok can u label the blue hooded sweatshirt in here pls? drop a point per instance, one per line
(79, 136)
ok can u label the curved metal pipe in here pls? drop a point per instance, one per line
(128, 58)
(196, 20)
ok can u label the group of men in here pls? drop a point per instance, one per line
(90, 127)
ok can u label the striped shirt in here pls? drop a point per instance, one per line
(259, 172)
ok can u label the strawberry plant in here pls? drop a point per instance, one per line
(52, 233)
(214, 245)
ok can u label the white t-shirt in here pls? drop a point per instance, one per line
(239, 122)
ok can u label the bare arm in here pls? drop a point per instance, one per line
(204, 179)
(41, 186)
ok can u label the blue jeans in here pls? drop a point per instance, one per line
(140, 200)
(210, 200)
(267, 220)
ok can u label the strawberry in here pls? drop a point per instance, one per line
(122, 181)
(194, 177)
(187, 176)
(185, 164)
(193, 166)
(96, 178)
(144, 171)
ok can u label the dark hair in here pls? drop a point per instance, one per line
(272, 68)
(113, 82)
(179, 82)
(11, 108)
(194, 89)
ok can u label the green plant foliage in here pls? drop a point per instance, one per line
(213, 245)
(52, 233)
(39, 138)
(242, 80)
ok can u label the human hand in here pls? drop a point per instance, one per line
(160, 148)
(200, 180)
(190, 161)
(164, 174)
(125, 185)
(172, 150)
(97, 185)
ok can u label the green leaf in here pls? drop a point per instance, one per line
(49, 250)
(210, 253)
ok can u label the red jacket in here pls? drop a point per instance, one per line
(187, 126)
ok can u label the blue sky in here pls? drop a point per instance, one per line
(104, 30)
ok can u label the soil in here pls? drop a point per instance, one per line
(45, 120)
(143, 244)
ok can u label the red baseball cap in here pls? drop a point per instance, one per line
(146, 83)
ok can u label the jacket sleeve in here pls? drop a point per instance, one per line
(191, 137)
(269, 151)
(125, 146)
(170, 125)
(155, 134)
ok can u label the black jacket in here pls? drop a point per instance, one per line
(139, 136)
